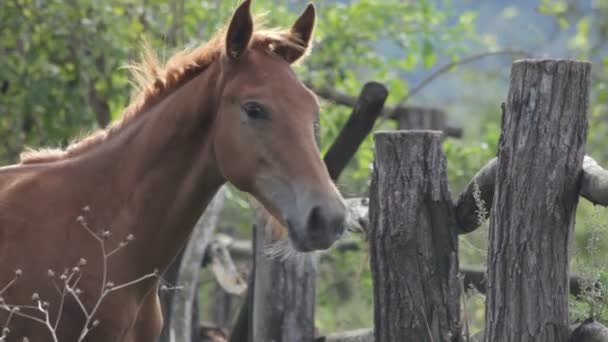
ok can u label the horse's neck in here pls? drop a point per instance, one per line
(165, 174)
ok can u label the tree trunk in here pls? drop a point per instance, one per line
(540, 156)
(413, 241)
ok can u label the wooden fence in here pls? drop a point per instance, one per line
(530, 191)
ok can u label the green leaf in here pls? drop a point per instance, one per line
(428, 54)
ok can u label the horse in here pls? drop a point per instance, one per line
(86, 230)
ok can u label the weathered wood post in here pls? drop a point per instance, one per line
(222, 301)
(182, 326)
(360, 123)
(538, 174)
(413, 240)
(284, 291)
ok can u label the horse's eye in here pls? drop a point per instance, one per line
(255, 111)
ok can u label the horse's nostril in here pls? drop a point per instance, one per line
(324, 225)
(315, 219)
(325, 221)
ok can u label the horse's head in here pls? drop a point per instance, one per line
(264, 140)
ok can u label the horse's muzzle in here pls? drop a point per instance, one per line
(320, 227)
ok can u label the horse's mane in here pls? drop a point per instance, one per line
(154, 81)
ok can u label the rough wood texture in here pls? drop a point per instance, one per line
(413, 241)
(284, 292)
(540, 156)
(223, 302)
(360, 123)
(243, 326)
(594, 187)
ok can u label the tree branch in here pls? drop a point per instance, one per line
(350, 101)
(472, 211)
(449, 66)
(594, 185)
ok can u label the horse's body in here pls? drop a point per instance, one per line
(152, 175)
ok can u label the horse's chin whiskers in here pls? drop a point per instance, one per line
(284, 251)
(281, 249)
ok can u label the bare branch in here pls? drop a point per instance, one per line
(69, 280)
(451, 65)
(350, 101)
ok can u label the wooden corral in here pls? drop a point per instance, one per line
(530, 191)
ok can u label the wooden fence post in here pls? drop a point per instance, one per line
(181, 328)
(222, 306)
(284, 291)
(540, 156)
(413, 240)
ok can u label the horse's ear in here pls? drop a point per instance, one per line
(303, 29)
(239, 31)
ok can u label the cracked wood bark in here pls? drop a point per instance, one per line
(539, 163)
(413, 241)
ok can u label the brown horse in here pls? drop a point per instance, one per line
(232, 111)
